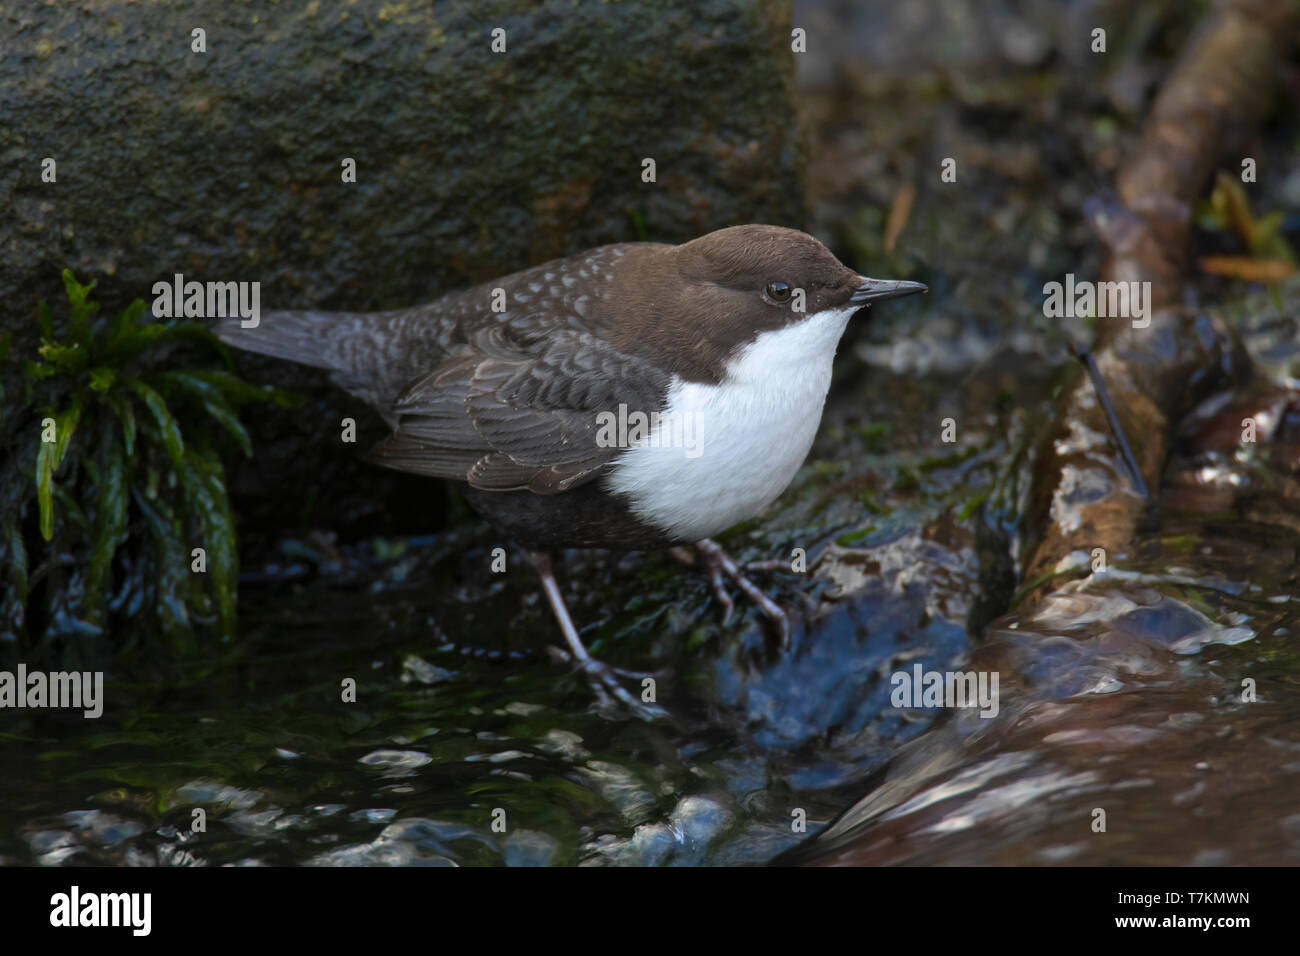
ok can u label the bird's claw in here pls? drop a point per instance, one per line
(718, 565)
(605, 684)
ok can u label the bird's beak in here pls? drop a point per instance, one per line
(877, 290)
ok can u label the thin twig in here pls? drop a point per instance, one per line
(1089, 363)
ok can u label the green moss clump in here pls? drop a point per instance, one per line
(112, 481)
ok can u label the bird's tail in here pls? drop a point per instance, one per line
(306, 337)
(361, 349)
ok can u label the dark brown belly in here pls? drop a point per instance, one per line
(586, 517)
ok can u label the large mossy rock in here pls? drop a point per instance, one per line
(470, 163)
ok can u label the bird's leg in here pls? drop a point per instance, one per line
(687, 557)
(717, 564)
(714, 571)
(599, 675)
(769, 564)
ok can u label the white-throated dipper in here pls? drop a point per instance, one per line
(631, 397)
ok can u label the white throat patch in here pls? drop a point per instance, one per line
(754, 431)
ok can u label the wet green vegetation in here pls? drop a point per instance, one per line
(117, 477)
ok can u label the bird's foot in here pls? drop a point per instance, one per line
(600, 675)
(772, 564)
(564, 657)
(687, 557)
(719, 565)
(605, 684)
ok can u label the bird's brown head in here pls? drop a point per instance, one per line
(706, 299)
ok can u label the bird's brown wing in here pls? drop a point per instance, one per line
(508, 421)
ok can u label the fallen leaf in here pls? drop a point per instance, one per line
(1250, 270)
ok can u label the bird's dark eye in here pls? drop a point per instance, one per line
(778, 291)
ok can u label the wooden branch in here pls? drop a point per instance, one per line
(1218, 92)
